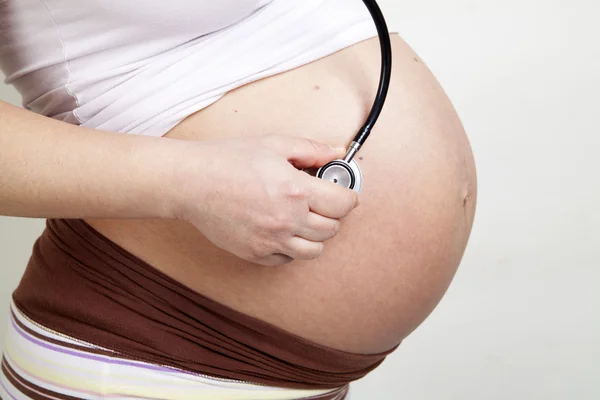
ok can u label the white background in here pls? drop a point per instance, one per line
(521, 320)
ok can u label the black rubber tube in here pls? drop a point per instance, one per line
(386, 71)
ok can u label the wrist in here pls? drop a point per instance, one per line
(152, 176)
(181, 173)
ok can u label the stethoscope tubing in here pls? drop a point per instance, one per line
(384, 79)
(346, 172)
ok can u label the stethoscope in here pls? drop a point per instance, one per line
(346, 172)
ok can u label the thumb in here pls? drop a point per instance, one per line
(306, 153)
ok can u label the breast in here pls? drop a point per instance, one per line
(395, 255)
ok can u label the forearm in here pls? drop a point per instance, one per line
(52, 169)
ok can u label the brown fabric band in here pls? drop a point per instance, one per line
(81, 284)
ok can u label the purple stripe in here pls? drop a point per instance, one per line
(7, 392)
(84, 355)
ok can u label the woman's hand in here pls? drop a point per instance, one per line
(248, 197)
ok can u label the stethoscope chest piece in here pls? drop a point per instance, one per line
(346, 174)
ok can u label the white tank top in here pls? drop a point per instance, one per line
(139, 66)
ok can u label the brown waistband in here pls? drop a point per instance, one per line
(81, 284)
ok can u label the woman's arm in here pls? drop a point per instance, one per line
(245, 195)
(52, 169)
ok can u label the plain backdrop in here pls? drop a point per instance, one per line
(521, 320)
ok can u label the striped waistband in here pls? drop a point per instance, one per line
(39, 363)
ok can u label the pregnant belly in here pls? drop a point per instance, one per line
(396, 253)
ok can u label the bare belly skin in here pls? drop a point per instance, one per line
(396, 253)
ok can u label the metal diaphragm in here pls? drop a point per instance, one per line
(340, 172)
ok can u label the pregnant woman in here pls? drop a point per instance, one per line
(186, 254)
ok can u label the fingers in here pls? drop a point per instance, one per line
(307, 244)
(296, 249)
(327, 203)
(302, 249)
(304, 153)
(275, 260)
(330, 200)
(325, 198)
(318, 228)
